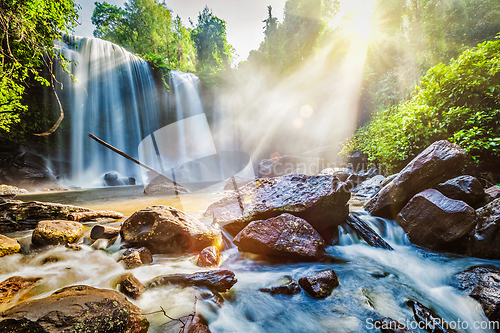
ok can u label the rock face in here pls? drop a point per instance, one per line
(289, 164)
(210, 256)
(75, 309)
(57, 232)
(217, 280)
(164, 229)
(388, 325)
(285, 236)
(485, 240)
(465, 188)
(161, 186)
(439, 162)
(483, 284)
(129, 286)
(17, 215)
(493, 192)
(15, 288)
(8, 246)
(320, 285)
(320, 200)
(133, 258)
(287, 287)
(434, 221)
(104, 231)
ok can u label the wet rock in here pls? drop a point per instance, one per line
(284, 236)
(104, 231)
(198, 325)
(240, 182)
(432, 321)
(15, 289)
(55, 189)
(434, 221)
(8, 190)
(484, 242)
(493, 192)
(289, 164)
(8, 246)
(210, 256)
(368, 234)
(18, 215)
(218, 280)
(320, 285)
(388, 325)
(57, 232)
(133, 258)
(369, 188)
(465, 188)
(129, 286)
(161, 186)
(439, 162)
(320, 200)
(164, 229)
(286, 287)
(483, 284)
(75, 309)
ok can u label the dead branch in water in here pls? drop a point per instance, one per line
(184, 323)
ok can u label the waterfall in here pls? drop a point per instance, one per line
(115, 97)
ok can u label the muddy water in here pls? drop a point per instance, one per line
(374, 283)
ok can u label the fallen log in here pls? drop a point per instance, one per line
(367, 233)
(86, 216)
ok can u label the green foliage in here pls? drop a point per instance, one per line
(459, 102)
(29, 29)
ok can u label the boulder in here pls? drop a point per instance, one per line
(133, 258)
(18, 215)
(493, 192)
(286, 287)
(75, 309)
(8, 246)
(217, 280)
(161, 186)
(439, 162)
(320, 200)
(104, 231)
(56, 232)
(369, 188)
(15, 289)
(8, 190)
(434, 221)
(129, 286)
(284, 236)
(483, 284)
(388, 325)
(210, 256)
(465, 188)
(289, 164)
(426, 316)
(484, 242)
(164, 229)
(240, 182)
(320, 285)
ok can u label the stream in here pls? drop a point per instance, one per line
(374, 283)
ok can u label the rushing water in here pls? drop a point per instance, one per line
(374, 283)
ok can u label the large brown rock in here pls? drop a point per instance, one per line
(75, 309)
(439, 162)
(164, 229)
(217, 280)
(484, 242)
(18, 215)
(104, 231)
(289, 164)
(8, 246)
(133, 258)
(209, 256)
(129, 286)
(284, 236)
(320, 200)
(57, 232)
(434, 221)
(15, 289)
(465, 188)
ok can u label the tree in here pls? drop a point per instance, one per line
(29, 29)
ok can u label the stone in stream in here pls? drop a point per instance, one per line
(161, 186)
(16, 289)
(287, 287)
(439, 162)
(75, 309)
(320, 200)
(484, 242)
(129, 286)
(56, 232)
(465, 188)
(285, 236)
(164, 229)
(320, 285)
(218, 280)
(367, 233)
(493, 192)
(18, 215)
(104, 231)
(210, 256)
(434, 221)
(289, 164)
(433, 322)
(389, 325)
(8, 246)
(133, 258)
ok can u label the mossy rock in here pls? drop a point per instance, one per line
(8, 246)
(57, 232)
